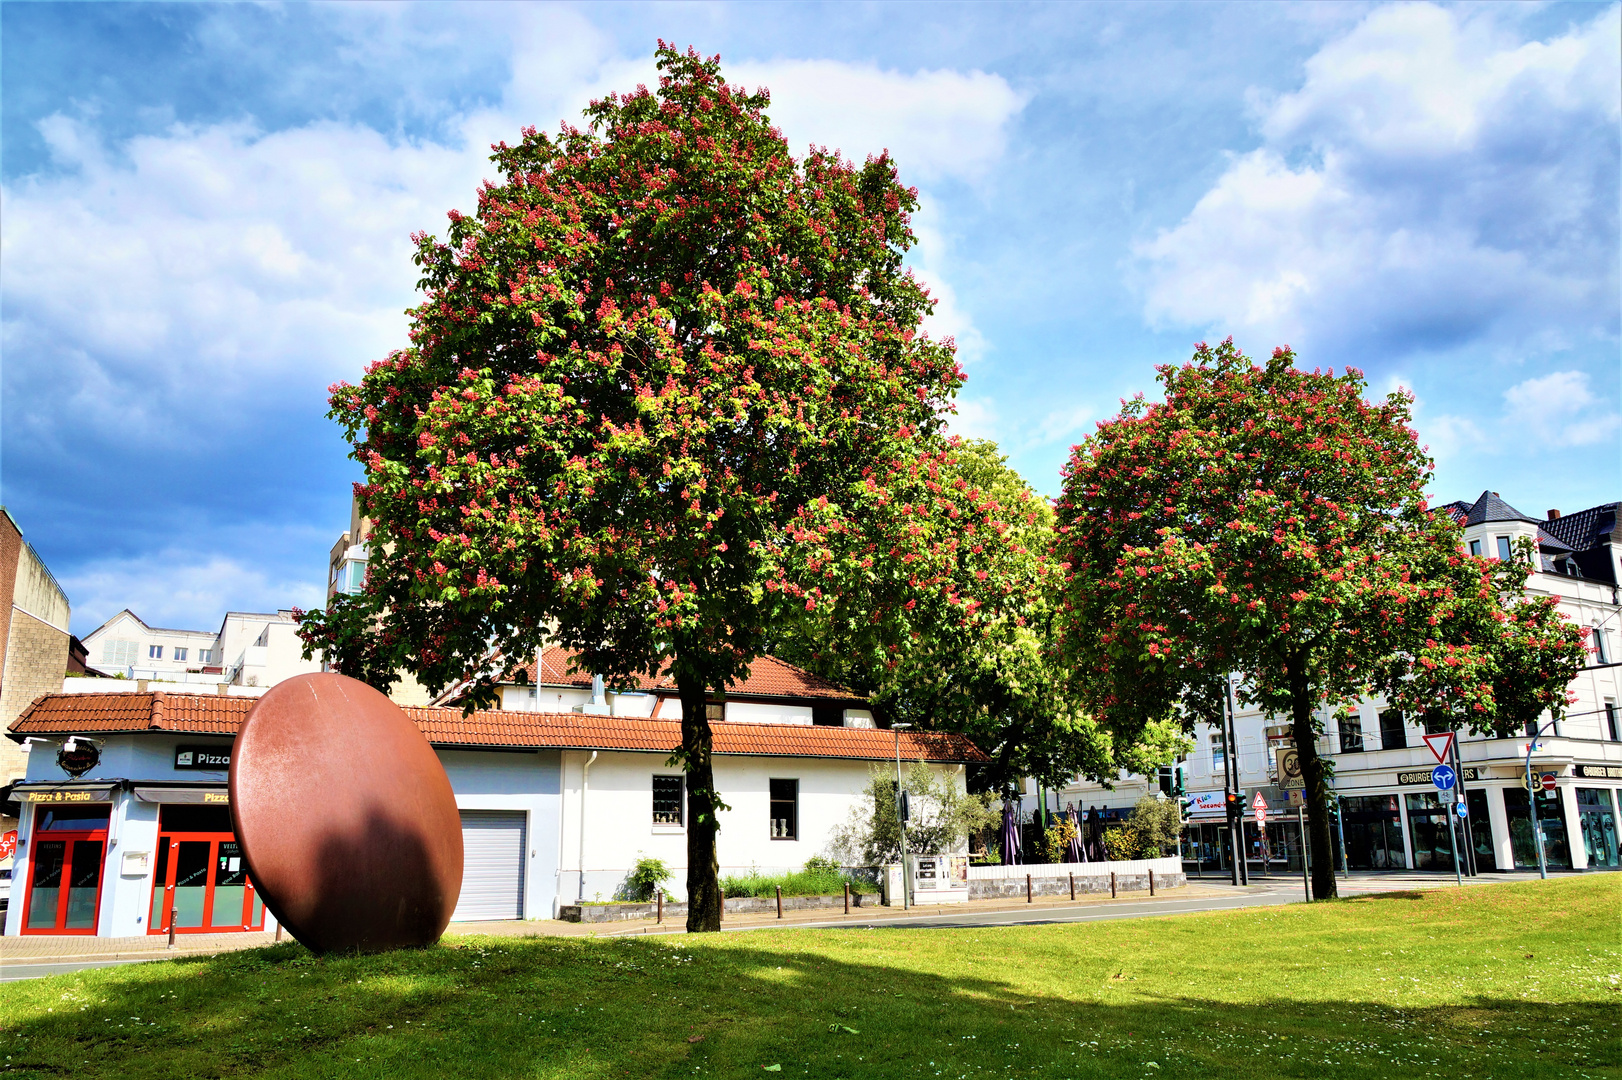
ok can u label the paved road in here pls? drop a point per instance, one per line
(15, 972)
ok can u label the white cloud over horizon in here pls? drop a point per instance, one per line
(1433, 180)
(180, 589)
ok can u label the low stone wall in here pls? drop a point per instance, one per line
(1092, 884)
(733, 905)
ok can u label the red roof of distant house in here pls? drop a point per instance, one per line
(206, 714)
(768, 677)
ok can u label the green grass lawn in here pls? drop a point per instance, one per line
(1494, 981)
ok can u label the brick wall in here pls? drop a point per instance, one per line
(36, 658)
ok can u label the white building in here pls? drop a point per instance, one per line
(556, 806)
(249, 649)
(1390, 814)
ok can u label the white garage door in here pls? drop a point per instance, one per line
(492, 866)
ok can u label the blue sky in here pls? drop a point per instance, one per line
(206, 213)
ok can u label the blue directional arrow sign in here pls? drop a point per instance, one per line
(1459, 808)
(1442, 776)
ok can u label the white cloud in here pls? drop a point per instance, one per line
(974, 419)
(1431, 181)
(182, 589)
(1561, 409)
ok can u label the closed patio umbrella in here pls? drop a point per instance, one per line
(1010, 834)
(1076, 853)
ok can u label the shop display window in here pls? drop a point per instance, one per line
(65, 869)
(1429, 820)
(1372, 825)
(1598, 826)
(1552, 818)
(1481, 831)
(201, 880)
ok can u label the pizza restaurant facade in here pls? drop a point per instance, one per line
(125, 826)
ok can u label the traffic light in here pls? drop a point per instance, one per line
(1236, 803)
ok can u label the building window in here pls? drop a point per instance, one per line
(785, 809)
(1435, 723)
(1610, 721)
(715, 711)
(1392, 734)
(205, 656)
(118, 653)
(1219, 751)
(1475, 548)
(1503, 548)
(1601, 655)
(1351, 735)
(667, 800)
(154, 652)
(180, 655)
(828, 715)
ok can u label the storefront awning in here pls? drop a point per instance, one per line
(216, 794)
(65, 793)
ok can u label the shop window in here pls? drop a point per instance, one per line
(1373, 828)
(1351, 735)
(201, 882)
(667, 791)
(1481, 831)
(1429, 822)
(1393, 736)
(1551, 819)
(785, 806)
(1598, 826)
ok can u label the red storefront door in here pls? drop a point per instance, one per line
(202, 880)
(64, 870)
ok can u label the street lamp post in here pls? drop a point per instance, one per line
(1533, 732)
(901, 817)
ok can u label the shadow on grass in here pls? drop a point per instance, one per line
(1371, 898)
(735, 1008)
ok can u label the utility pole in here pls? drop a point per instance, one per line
(1458, 822)
(901, 817)
(1532, 733)
(1242, 871)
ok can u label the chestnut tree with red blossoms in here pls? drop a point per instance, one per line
(661, 382)
(1270, 522)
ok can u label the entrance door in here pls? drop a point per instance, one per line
(493, 848)
(64, 870)
(201, 878)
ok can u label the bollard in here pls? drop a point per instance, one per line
(1029, 899)
(1151, 883)
(659, 898)
(1112, 885)
(278, 931)
(172, 918)
(847, 898)
(1072, 884)
(780, 901)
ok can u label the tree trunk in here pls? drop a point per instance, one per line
(1317, 781)
(703, 871)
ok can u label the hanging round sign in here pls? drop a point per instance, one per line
(78, 756)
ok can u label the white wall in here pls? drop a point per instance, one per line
(761, 712)
(619, 825)
(523, 781)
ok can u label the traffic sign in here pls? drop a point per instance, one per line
(1442, 776)
(1441, 745)
(1449, 795)
(1548, 781)
(1460, 808)
(1259, 805)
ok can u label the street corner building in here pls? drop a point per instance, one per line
(125, 822)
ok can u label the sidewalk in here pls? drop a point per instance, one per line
(49, 948)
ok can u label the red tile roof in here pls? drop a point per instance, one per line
(163, 710)
(768, 677)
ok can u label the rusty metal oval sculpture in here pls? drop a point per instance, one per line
(346, 818)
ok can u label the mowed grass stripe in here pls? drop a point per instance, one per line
(1492, 981)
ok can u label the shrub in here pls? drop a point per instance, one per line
(1054, 846)
(644, 878)
(828, 880)
(1122, 842)
(942, 817)
(1157, 823)
(818, 864)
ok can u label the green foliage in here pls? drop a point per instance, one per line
(645, 878)
(817, 864)
(352, 639)
(1054, 846)
(825, 879)
(1270, 521)
(1123, 842)
(1157, 823)
(942, 817)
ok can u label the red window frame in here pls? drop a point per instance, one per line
(173, 840)
(70, 837)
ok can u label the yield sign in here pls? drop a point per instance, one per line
(1441, 745)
